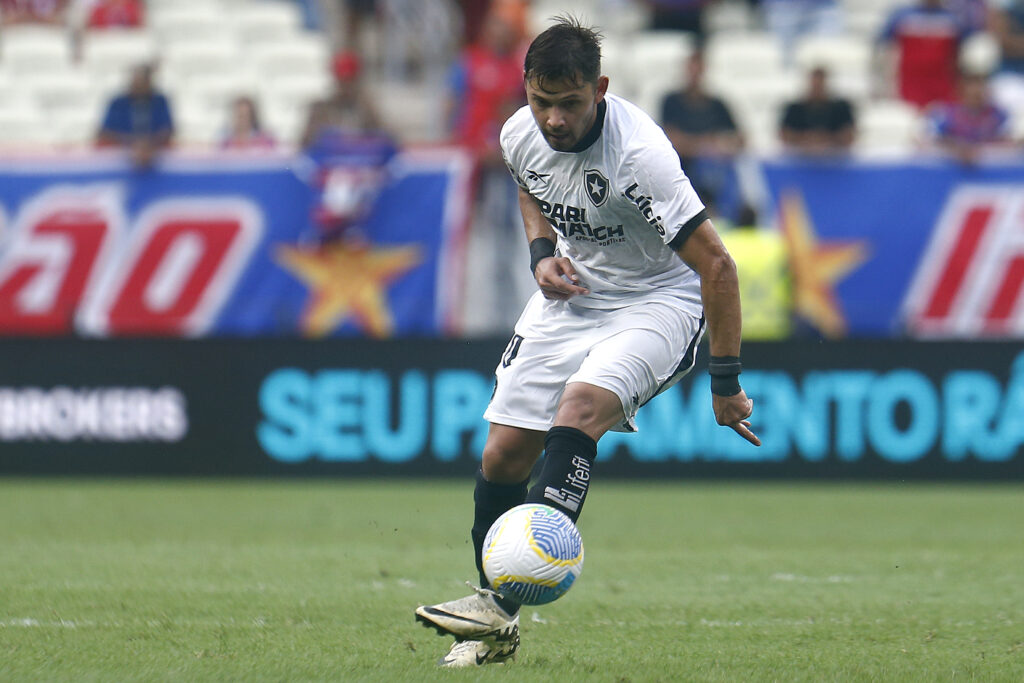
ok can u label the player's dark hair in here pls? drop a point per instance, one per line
(567, 51)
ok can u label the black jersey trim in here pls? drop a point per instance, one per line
(689, 227)
(595, 130)
(686, 364)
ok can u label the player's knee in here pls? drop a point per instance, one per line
(591, 410)
(507, 463)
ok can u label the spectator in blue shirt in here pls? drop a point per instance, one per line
(138, 120)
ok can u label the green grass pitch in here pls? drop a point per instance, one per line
(317, 580)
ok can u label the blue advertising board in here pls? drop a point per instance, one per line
(925, 248)
(225, 246)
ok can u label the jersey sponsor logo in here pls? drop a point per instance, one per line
(571, 221)
(971, 278)
(597, 186)
(644, 203)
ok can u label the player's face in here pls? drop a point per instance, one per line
(565, 110)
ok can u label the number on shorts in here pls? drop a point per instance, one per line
(511, 351)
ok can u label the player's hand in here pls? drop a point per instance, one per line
(558, 279)
(732, 412)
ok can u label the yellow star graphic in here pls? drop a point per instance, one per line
(348, 281)
(817, 267)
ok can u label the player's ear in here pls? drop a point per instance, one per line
(602, 88)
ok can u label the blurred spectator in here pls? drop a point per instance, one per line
(421, 35)
(245, 131)
(475, 12)
(485, 88)
(347, 108)
(704, 134)
(139, 120)
(923, 41)
(819, 122)
(792, 19)
(1006, 21)
(32, 12)
(972, 124)
(972, 15)
(350, 151)
(116, 14)
(766, 294)
(356, 16)
(679, 15)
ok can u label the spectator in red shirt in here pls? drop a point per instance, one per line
(116, 14)
(926, 39)
(32, 12)
(486, 87)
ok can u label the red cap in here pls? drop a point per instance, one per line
(346, 65)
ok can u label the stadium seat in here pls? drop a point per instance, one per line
(742, 55)
(841, 55)
(34, 49)
(117, 50)
(258, 22)
(887, 127)
(181, 61)
(304, 53)
(75, 127)
(301, 89)
(188, 19)
(196, 122)
(661, 54)
(284, 120)
(22, 124)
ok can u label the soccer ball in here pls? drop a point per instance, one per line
(532, 554)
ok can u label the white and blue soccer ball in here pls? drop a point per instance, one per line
(533, 554)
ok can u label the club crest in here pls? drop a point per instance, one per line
(597, 186)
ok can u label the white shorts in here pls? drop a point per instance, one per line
(635, 352)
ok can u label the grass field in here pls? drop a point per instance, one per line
(293, 581)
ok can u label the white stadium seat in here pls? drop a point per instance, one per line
(256, 22)
(117, 50)
(188, 21)
(661, 54)
(306, 53)
(22, 124)
(181, 61)
(839, 54)
(25, 49)
(888, 127)
(743, 54)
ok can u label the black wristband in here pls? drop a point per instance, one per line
(724, 371)
(540, 248)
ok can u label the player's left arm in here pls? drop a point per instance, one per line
(705, 253)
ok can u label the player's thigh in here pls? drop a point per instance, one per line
(550, 343)
(646, 347)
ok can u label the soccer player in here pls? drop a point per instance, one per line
(630, 271)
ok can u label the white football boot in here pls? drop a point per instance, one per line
(474, 617)
(467, 653)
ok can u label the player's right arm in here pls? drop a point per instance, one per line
(555, 275)
(705, 253)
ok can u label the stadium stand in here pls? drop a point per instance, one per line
(54, 79)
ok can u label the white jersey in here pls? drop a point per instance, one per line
(616, 205)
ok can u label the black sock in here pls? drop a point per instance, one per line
(565, 476)
(491, 501)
